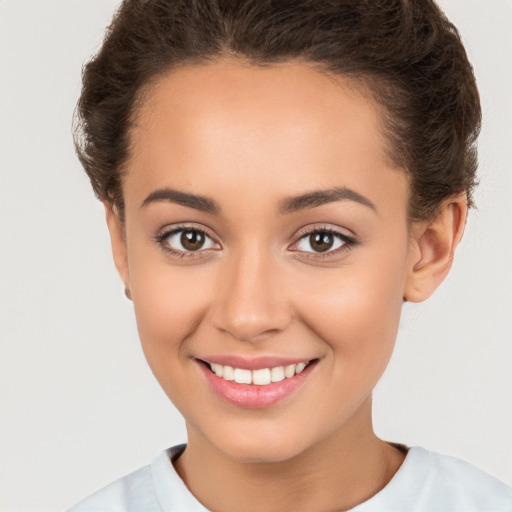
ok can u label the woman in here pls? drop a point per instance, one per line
(278, 178)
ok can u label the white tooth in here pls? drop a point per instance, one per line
(243, 376)
(289, 371)
(217, 368)
(277, 374)
(261, 377)
(228, 373)
(300, 367)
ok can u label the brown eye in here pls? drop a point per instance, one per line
(187, 240)
(192, 240)
(321, 242)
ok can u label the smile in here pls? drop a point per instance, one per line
(260, 377)
(266, 382)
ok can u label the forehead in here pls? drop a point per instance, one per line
(231, 124)
(291, 99)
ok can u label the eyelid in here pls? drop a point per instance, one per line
(173, 228)
(168, 231)
(325, 228)
(349, 241)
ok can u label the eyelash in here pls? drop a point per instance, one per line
(162, 237)
(348, 242)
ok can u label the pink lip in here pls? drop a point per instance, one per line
(251, 396)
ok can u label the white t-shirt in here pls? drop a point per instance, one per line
(426, 482)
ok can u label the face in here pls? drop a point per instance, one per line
(265, 227)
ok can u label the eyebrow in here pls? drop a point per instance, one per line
(320, 197)
(288, 205)
(202, 203)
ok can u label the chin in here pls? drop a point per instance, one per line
(262, 446)
(261, 453)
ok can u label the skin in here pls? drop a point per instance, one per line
(249, 140)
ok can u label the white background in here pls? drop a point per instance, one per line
(80, 408)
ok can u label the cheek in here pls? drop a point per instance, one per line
(168, 308)
(356, 309)
(169, 304)
(355, 314)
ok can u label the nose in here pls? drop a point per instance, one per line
(251, 301)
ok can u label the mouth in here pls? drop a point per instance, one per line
(258, 377)
(264, 384)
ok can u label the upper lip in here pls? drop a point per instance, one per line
(254, 363)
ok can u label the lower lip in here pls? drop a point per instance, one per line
(252, 396)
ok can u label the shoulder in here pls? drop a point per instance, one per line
(133, 492)
(429, 481)
(466, 486)
(153, 488)
(454, 474)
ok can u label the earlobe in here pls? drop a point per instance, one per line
(432, 249)
(118, 242)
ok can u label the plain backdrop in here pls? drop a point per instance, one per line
(80, 408)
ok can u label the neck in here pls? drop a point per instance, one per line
(337, 473)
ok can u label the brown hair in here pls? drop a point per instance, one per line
(405, 51)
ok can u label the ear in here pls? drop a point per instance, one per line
(433, 247)
(118, 242)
